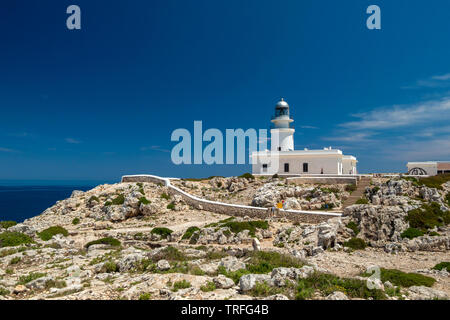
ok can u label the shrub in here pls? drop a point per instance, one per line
(442, 265)
(251, 226)
(170, 253)
(110, 267)
(428, 217)
(15, 260)
(233, 275)
(433, 234)
(171, 206)
(328, 283)
(447, 198)
(144, 200)
(108, 241)
(327, 206)
(275, 176)
(434, 181)
(262, 289)
(165, 196)
(145, 296)
(411, 233)
(12, 239)
(30, 277)
(350, 188)
(94, 198)
(48, 233)
(7, 224)
(76, 221)
(3, 291)
(163, 232)
(355, 244)
(247, 176)
(362, 201)
(400, 278)
(352, 225)
(210, 286)
(189, 232)
(181, 285)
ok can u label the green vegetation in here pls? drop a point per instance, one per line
(275, 176)
(48, 233)
(362, 201)
(110, 267)
(352, 225)
(189, 232)
(171, 206)
(262, 289)
(144, 200)
(3, 291)
(447, 198)
(15, 260)
(263, 262)
(7, 224)
(30, 277)
(181, 285)
(411, 233)
(163, 232)
(355, 244)
(428, 217)
(330, 190)
(55, 284)
(247, 176)
(119, 200)
(328, 283)
(403, 279)
(12, 239)
(442, 265)
(170, 254)
(350, 188)
(237, 227)
(210, 286)
(145, 296)
(94, 198)
(327, 206)
(141, 188)
(434, 181)
(165, 196)
(202, 179)
(76, 221)
(108, 241)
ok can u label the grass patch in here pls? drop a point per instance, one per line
(412, 233)
(428, 217)
(362, 201)
(12, 239)
(403, 279)
(247, 176)
(144, 200)
(145, 296)
(181, 285)
(328, 283)
(163, 232)
(434, 181)
(355, 244)
(262, 289)
(7, 224)
(76, 221)
(251, 226)
(170, 254)
(350, 188)
(171, 206)
(30, 277)
(94, 198)
(442, 265)
(3, 291)
(15, 260)
(352, 225)
(189, 232)
(110, 267)
(165, 196)
(108, 241)
(210, 286)
(119, 200)
(48, 233)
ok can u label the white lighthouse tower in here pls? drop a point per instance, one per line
(282, 136)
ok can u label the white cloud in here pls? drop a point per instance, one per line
(7, 150)
(308, 127)
(442, 77)
(401, 116)
(72, 141)
(155, 148)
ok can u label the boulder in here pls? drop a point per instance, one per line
(425, 293)
(231, 264)
(337, 295)
(163, 265)
(223, 282)
(256, 245)
(248, 281)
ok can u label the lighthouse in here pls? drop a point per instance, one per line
(282, 135)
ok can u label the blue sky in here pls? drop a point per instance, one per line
(103, 101)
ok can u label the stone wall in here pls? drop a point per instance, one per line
(233, 209)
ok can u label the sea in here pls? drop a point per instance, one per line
(20, 200)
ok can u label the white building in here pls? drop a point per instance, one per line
(430, 168)
(283, 159)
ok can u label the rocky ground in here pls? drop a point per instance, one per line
(134, 241)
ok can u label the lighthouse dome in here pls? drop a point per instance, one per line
(282, 104)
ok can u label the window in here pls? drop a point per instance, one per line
(305, 167)
(286, 167)
(279, 148)
(264, 167)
